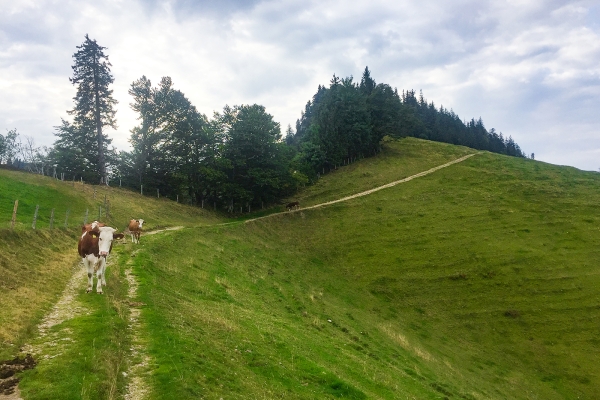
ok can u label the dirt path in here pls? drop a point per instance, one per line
(367, 192)
(48, 344)
(139, 359)
(137, 387)
(174, 228)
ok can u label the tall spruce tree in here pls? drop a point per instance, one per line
(94, 104)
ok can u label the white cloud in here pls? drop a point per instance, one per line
(529, 69)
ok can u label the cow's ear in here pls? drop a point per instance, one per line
(118, 236)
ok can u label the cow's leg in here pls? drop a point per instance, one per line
(100, 275)
(89, 264)
(132, 238)
(104, 272)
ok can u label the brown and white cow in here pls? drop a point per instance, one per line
(135, 228)
(92, 226)
(94, 246)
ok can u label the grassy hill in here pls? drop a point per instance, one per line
(477, 281)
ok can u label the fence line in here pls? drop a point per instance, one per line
(14, 217)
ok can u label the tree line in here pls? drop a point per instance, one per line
(237, 157)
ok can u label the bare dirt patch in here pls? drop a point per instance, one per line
(8, 378)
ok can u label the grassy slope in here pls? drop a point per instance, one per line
(395, 162)
(35, 265)
(478, 281)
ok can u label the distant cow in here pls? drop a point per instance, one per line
(135, 228)
(94, 246)
(293, 205)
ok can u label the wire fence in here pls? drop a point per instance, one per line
(61, 217)
(54, 216)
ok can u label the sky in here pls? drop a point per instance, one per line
(529, 68)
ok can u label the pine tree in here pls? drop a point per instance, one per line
(94, 104)
(289, 135)
(367, 84)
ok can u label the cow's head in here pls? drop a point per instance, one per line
(140, 221)
(105, 239)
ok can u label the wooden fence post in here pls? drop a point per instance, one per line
(94, 193)
(37, 207)
(142, 190)
(87, 210)
(67, 218)
(52, 219)
(157, 193)
(14, 218)
(99, 213)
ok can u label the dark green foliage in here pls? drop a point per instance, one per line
(423, 120)
(347, 121)
(258, 163)
(8, 147)
(336, 126)
(82, 142)
(235, 160)
(168, 145)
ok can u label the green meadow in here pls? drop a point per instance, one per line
(478, 281)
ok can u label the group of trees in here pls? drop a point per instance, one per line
(234, 159)
(9, 147)
(237, 158)
(348, 120)
(443, 125)
(22, 153)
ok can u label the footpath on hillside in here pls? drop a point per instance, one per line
(367, 192)
(68, 307)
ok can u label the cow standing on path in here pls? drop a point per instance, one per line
(135, 228)
(94, 246)
(293, 206)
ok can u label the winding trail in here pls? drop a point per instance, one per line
(367, 192)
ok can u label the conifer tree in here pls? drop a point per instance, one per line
(367, 84)
(94, 104)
